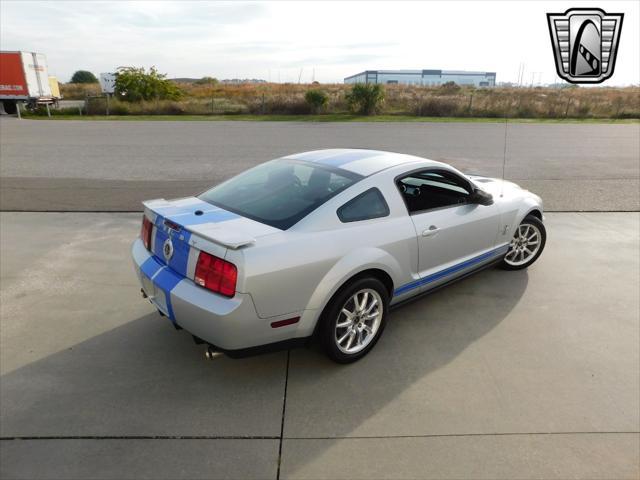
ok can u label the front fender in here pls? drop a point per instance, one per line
(515, 209)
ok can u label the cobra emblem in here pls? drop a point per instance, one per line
(167, 249)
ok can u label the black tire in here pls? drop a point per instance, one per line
(537, 223)
(331, 315)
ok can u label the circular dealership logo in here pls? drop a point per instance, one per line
(167, 249)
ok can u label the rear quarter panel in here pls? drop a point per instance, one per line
(301, 268)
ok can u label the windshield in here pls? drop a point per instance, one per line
(281, 192)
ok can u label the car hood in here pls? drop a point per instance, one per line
(492, 185)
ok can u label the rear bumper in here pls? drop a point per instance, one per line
(228, 323)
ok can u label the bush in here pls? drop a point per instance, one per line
(583, 110)
(450, 87)
(78, 91)
(135, 84)
(116, 108)
(206, 81)
(317, 99)
(439, 107)
(83, 76)
(280, 105)
(365, 98)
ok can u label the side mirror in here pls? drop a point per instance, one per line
(481, 197)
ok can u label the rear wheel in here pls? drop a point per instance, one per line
(526, 245)
(354, 320)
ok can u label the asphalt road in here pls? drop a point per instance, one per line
(114, 165)
(505, 375)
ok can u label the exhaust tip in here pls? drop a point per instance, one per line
(212, 354)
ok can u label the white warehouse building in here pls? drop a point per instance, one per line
(424, 77)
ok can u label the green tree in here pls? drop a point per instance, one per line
(317, 99)
(136, 84)
(83, 76)
(365, 98)
(206, 81)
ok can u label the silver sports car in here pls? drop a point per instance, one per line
(323, 243)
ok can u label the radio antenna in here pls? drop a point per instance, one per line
(504, 151)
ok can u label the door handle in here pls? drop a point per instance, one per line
(431, 231)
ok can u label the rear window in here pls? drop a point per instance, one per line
(280, 193)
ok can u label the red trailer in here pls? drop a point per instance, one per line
(24, 77)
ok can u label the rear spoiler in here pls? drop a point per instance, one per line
(226, 238)
(233, 239)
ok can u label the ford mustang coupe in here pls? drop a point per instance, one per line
(323, 243)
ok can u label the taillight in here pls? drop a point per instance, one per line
(145, 232)
(216, 274)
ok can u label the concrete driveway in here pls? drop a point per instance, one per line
(531, 374)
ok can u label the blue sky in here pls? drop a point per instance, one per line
(284, 41)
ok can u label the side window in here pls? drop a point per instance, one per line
(367, 205)
(440, 181)
(433, 189)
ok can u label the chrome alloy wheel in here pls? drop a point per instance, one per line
(358, 321)
(524, 245)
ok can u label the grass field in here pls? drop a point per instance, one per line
(336, 117)
(401, 103)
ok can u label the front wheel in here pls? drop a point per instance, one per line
(354, 320)
(526, 245)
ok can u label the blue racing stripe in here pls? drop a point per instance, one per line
(180, 258)
(175, 210)
(344, 158)
(448, 271)
(188, 218)
(166, 281)
(181, 247)
(185, 215)
(161, 236)
(150, 267)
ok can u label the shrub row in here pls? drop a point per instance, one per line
(444, 101)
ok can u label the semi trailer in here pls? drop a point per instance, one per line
(24, 77)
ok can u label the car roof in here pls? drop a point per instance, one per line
(360, 161)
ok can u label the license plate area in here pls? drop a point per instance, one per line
(155, 295)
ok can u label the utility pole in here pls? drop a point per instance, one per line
(521, 78)
(533, 78)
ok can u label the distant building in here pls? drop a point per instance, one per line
(238, 81)
(424, 77)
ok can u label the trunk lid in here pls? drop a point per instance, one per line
(194, 225)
